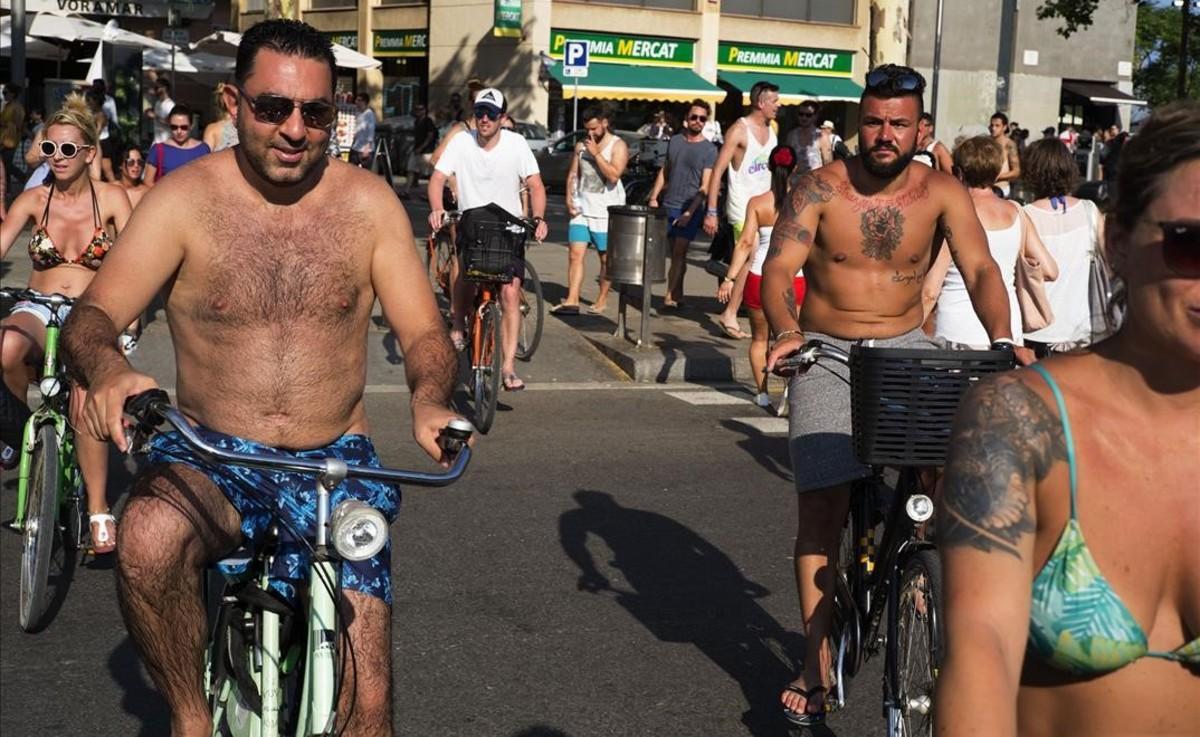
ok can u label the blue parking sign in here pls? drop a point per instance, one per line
(575, 59)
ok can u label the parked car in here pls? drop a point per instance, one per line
(535, 135)
(555, 159)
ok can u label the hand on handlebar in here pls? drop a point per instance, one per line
(437, 218)
(785, 348)
(429, 423)
(1025, 356)
(104, 412)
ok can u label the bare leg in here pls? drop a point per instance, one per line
(461, 294)
(729, 315)
(369, 682)
(21, 335)
(679, 248)
(176, 521)
(602, 298)
(510, 325)
(759, 332)
(575, 255)
(822, 514)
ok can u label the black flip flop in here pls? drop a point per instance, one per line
(805, 718)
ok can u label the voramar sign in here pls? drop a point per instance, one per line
(629, 49)
(197, 9)
(784, 60)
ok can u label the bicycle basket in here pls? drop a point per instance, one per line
(491, 252)
(903, 400)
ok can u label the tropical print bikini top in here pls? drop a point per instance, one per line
(1077, 622)
(45, 255)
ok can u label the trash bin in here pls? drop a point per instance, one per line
(635, 232)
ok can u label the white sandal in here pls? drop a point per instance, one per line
(102, 542)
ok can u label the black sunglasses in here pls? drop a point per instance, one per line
(1181, 246)
(894, 80)
(68, 149)
(483, 112)
(701, 118)
(274, 109)
(135, 162)
(181, 127)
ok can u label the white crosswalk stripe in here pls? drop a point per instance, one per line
(711, 397)
(764, 425)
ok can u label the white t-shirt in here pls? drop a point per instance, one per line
(489, 176)
(162, 110)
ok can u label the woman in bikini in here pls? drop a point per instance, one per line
(74, 220)
(1070, 516)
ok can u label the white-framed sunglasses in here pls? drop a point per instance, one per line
(68, 149)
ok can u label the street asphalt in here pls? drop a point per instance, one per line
(617, 562)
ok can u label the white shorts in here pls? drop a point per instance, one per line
(40, 311)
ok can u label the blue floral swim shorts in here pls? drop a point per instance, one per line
(295, 498)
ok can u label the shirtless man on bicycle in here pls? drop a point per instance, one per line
(864, 232)
(269, 282)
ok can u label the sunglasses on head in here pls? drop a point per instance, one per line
(68, 149)
(1181, 246)
(701, 118)
(274, 109)
(893, 80)
(483, 111)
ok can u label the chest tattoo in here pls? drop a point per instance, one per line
(882, 230)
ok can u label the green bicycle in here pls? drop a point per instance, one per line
(50, 493)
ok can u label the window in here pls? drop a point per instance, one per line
(403, 2)
(650, 4)
(815, 11)
(328, 4)
(253, 6)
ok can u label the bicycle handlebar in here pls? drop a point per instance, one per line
(809, 353)
(53, 301)
(151, 408)
(454, 216)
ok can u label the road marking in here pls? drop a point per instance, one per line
(711, 397)
(764, 425)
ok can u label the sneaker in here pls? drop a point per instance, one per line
(762, 399)
(128, 344)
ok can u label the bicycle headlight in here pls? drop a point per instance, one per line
(358, 530)
(919, 508)
(50, 386)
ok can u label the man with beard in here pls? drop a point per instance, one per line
(863, 230)
(274, 273)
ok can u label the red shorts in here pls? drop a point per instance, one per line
(752, 297)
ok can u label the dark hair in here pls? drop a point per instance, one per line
(163, 82)
(1169, 138)
(94, 97)
(999, 116)
(761, 88)
(781, 163)
(701, 103)
(980, 160)
(927, 117)
(888, 81)
(594, 112)
(132, 147)
(180, 109)
(1048, 169)
(816, 106)
(364, 97)
(283, 36)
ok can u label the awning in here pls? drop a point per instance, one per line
(226, 43)
(65, 28)
(34, 48)
(796, 88)
(630, 82)
(1100, 93)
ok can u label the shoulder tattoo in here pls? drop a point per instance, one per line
(804, 190)
(1005, 440)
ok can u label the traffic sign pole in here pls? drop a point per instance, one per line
(575, 64)
(575, 118)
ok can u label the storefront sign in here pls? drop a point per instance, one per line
(646, 50)
(197, 9)
(401, 43)
(508, 19)
(784, 60)
(349, 39)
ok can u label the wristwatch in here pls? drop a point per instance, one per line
(537, 219)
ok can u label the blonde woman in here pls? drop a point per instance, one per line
(74, 222)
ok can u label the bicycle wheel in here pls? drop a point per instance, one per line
(438, 261)
(41, 528)
(918, 643)
(485, 375)
(533, 314)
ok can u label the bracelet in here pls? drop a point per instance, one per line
(729, 279)
(786, 333)
(711, 211)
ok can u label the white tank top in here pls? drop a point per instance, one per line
(593, 193)
(956, 318)
(753, 178)
(760, 254)
(1071, 237)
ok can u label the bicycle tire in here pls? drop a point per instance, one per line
(41, 528)
(438, 261)
(533, 314)
(918, 642)
(74, 516)
(486, 374)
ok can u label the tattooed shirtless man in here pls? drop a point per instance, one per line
(269, 282)
(864, 231)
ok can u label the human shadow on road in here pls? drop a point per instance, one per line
(684, 589)
(540, 730)
(769, 451)
(140, 699)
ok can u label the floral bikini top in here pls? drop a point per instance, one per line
(1077, 622)
(45, 255)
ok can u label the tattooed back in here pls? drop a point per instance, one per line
(871, 250)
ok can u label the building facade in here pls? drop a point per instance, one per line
(997, 55)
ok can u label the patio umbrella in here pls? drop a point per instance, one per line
(192, 62)
(228, 41)
(34, 48)
(60, 27)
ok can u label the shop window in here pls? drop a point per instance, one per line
(329, 4)
(814, 11)
(253, 6)
(403, 2)
(650, 4)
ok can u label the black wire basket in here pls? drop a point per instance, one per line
(903, 400)
(493, 252)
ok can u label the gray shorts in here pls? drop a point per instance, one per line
(819, 430)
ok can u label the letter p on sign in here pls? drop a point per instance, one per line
(575, 59)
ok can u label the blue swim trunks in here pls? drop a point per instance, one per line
(295, 499)
(688, 229)
(590, 231)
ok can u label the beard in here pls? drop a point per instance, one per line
(258, 153)
(887, 171)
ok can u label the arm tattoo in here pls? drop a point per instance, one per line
(789, 296)
(431, 367)
(789, 231)
(1006, 439)
(948, 235)
(807, 189)
(882, 230)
